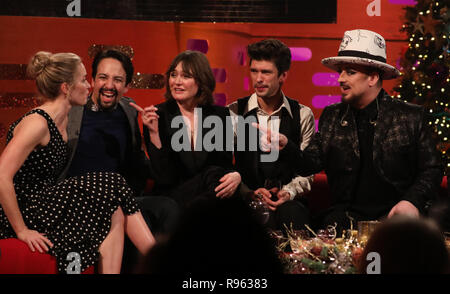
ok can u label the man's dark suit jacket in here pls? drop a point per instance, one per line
(137, 169)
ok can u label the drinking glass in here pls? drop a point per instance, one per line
(260, 209)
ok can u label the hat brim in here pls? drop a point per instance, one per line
(389, 72)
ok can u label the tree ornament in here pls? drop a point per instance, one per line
(418, 26)
(430, 24)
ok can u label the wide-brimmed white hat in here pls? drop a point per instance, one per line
(363, 47)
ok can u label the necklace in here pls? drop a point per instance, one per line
(373, 122)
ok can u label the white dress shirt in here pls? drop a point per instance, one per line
(298, 185)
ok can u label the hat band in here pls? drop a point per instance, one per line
(354, 53)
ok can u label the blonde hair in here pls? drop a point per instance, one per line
(51, 70)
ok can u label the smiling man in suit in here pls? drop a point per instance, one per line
(104, 136)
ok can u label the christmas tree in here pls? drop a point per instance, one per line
(425, 66)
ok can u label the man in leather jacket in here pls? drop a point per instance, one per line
(378, 152)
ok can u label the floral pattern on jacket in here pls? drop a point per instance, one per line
(404, 151)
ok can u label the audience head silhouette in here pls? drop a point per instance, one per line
(407, 245)
(216, 236)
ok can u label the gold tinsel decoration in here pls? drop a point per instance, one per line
(12, 100)
(94, 49)
(147, 81)
(319, 253)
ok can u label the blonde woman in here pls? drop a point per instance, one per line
(83, 217)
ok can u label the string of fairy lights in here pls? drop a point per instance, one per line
(425, 66)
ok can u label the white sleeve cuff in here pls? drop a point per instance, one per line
(291, 192)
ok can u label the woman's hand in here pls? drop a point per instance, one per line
(229, 183)
(149, 117)
(35, 240)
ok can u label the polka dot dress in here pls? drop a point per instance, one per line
(75, 214)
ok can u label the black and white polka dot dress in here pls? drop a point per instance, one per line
(75, 214)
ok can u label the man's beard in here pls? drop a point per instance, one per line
(114, 101)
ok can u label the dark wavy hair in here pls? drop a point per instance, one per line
(271, 50)
(196, 64)
(124, 59)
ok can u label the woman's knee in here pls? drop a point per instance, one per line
(212, 174)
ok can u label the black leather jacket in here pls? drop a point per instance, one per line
(404, 152)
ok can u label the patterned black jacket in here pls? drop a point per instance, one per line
(404, 152)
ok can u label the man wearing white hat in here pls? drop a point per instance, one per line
(378, 152)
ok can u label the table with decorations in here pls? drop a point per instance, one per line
(324, 252)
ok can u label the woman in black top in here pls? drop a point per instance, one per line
(190, 162)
